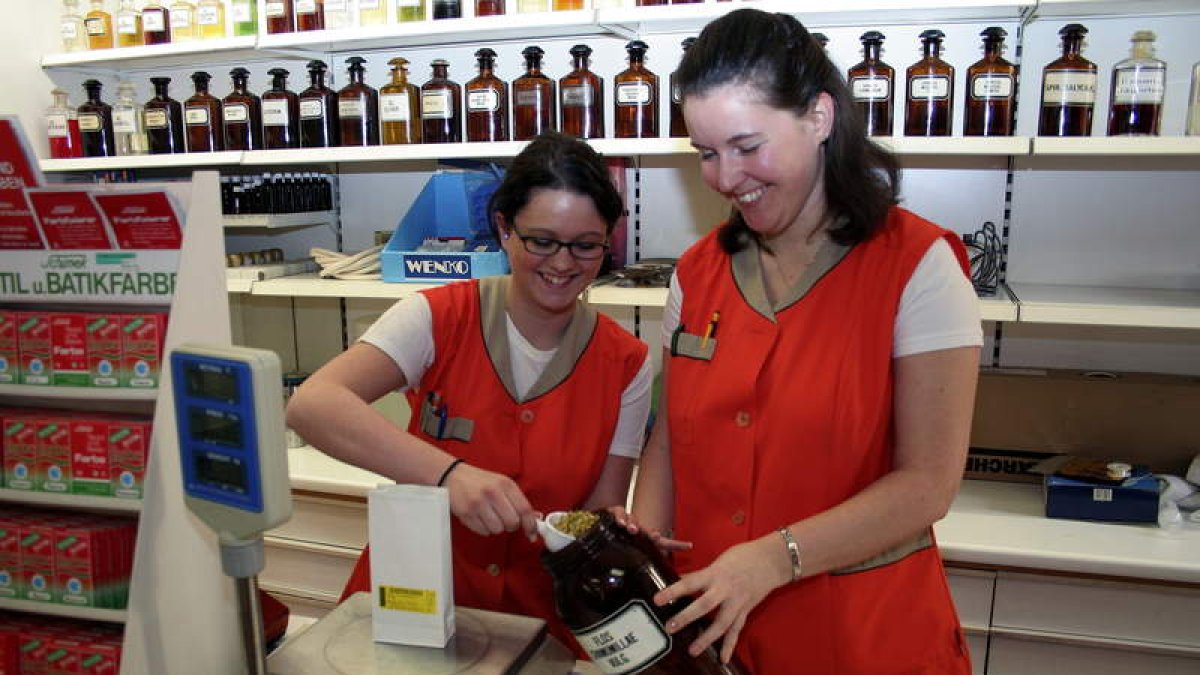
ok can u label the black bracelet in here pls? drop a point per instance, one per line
(446, 473)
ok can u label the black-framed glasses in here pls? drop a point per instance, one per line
(546, 247)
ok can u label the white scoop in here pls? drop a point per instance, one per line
(555, 540)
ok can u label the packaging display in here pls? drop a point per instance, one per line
(1134, 500)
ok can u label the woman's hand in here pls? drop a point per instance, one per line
(663, 542)
(728, 590)
(489, 503)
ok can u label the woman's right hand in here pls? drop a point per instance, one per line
(663, 542)
(489, 503)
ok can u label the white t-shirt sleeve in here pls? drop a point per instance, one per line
(939, 308)
(405, 333)
(635, 410)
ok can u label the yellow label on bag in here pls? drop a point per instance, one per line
(408, 599)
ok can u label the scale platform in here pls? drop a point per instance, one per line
(485, 643)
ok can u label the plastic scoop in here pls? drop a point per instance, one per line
(554, 539)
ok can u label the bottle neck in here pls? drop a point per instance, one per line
(239, 86)
(356, 76)
(992, 48)
(533, 66)
(93, 95)
(1142, 50)
(317, 79)
(160, 91)
(871, 50)
(201, 88)
(580, 63)
(485, 68)
(932, 48)
(439, 72)
(1072, 45)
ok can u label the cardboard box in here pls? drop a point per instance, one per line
(128, 449)
(1134, 501)
(20, 451)
(90, 471)
(103, 346)
(53, 472)
(10, 359)
(1009, 466)
(33, 347)
(142, 338)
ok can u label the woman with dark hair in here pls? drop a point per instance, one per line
(819, 363)
(523, 399)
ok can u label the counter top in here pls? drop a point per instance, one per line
(990, 523)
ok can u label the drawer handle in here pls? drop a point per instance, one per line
(1139, 646)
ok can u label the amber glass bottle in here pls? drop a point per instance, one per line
(280, 16)
(441, 106)
(1068, 88)
(604, 583)
(399, 106)
(99, 25)
(581, 98)
(678, 125)
(991, 89)
(96, 123)
(930, 95)
(534, 98)
(635, 96)
(489, 7)
(1138, 84)
(871, 84)
(164, 120)
(242, 113)
(156, 23)
(310, 15)
(280, 113)
(487, 101)
(202, 117)
(358, 107)
(319, 127)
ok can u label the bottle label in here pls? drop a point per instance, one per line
(1069, 87)
(195, 115)
(207, 16)
(332, 6)
(633, 93)
(436, 105)
(369, 4)
(351, 108)
(156, 119)
(394, 107)
(577, 96)
(125, 121)
(275, 113)
(94, 25)
(275, 8)
(236, 112)
(89, 122)
(628, 641)
(241, 12)
(181, 20)
(56, 126)
(306, 6)
(127, 24)
(70, 30)
(312, 108)
(528, 98)
(484, 100)
(409, 3)
(1139, 86)
(992, 86)
(929, 87)
(152, 20)
(871, 88)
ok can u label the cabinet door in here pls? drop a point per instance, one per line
(972, 592)
(1036, 655)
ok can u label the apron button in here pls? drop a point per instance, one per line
(493, 570)
(738, 518)
(527, 416)
(742, 419)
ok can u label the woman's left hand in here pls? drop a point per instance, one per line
(728, 589)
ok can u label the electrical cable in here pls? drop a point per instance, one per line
(983, 251)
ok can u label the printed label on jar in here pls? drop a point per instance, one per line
(929, 87)
(181, 20)
(1069, 87)
(127, 24)
(528, 98)
(156, 119)
(312, 108)
(578, 96)
(69, 30)
(871, 88)
(241, 12)
(275, 113)
(1139, 86)
(274, 8)
(152, 20)
(991, 86)
(633, 93)
(484, 100)
(207, 16)
(306, 6)
(89, 122)
(351, 108)
(56, 126)
(195, 115)
(236, 112)
(409, 3)
(435, 105)
(628, 641)
(95, 26)
(125, 122)
(394, 107)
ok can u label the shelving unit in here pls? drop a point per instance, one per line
(82, 502)
(278, 221)
(66, 611)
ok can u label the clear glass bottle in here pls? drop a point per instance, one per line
(489, 7)
(341, 14)
(526, 6)
(245, 16)
(72, 28)
(99, 25)
(447, 9)
(156, 23)
(991, 89)
(280, 17)
(441, 106)
(95, 123)
(930, 91)
(319, 124)
(280, 113)
(534, 98)
(635, 96)
(129, 25)
(183, 21)
(372, 12)
(62, 128)
(678, 124)
(1138, 85)
(129, 125)
(410, 10)
(400, 107)
(871, 85)
(581, 98)
(310, 15)
(1193, 115)
(210, 19)
(358, 107)
(203, 117)
(241, 113)
(164, 120)
(1068, 88)
(487, 101)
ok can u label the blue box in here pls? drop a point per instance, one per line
(1134, 501)
(452, 204)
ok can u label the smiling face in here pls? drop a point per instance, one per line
(768, 162)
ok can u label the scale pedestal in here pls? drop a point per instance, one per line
(485, 643)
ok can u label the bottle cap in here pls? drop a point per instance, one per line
(581, 50)
(1119, 470)
(532, 51)
(239, 73)
(993, 33)
(485, 53)
(637, 46)
(871, 36)
(1073, 29)
(687, 43)
(932, 34)
(316, 65)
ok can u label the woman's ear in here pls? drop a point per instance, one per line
(502, 225)
(823, 113)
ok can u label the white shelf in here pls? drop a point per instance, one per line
(78, 393)
(1107, 306)
(1084, 8)
(1000, 307)
(180, 54)
(311, 286)
(88, 502)
(609, 294)
(1152, 146)
(55, 609)
(385, 153)
(272, 221)
(183, 160)
(956, 145)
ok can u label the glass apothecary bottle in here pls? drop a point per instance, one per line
(529, 6)
(651, 3)
(447, 9)
(358, 107)
(156, 23)
(62, 128)
(489, 7)
(678, 124)
(1193, 115)
(129, 126)
(1068, 88)
(581, 98)
(210, 19)
(99, 25)
(310, 15)
(372, 12)
(164, 120)
(183, 21)
(534, 98)
(871, 85)
(281, 18)
(635, 96)
(280, 113)
(930, 92)
(319, 124)
(245, 16)
(203, 118)
(567, 5)
(129, 25)
(399, 107)
(487, 101)
(340, 14)
(96, 123)
(72, 28)
(410, 10)
(242, 114)
(441, 106)
(1138, 85)
(991, 89)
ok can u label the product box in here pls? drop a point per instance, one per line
(1010, 466)
(103, 346)
(20, 451)
(102, 657)
(10, 554)
(33, 347)
(1133, 501)
(142, 337)
(53, 468)
(37, 561)
(79, 570)
(128, 450)
(90, 471)
(10, 360)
